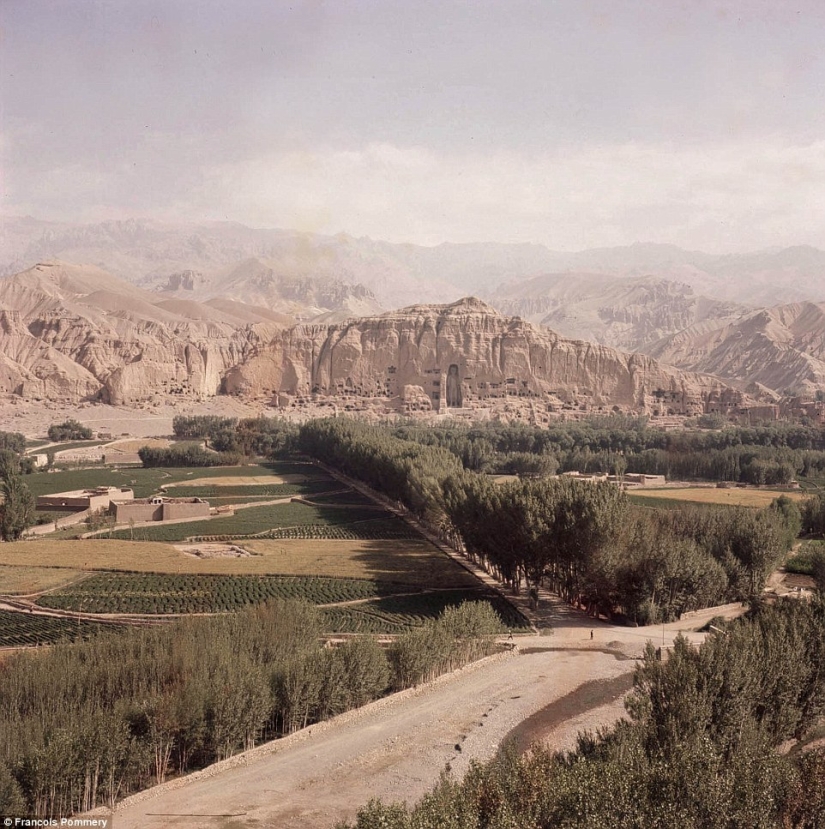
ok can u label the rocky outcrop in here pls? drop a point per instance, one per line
(780, 348)
(467, 355)
(76, 333)
(73, 334)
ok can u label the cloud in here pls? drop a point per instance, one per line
(715, 197)
(728, 196)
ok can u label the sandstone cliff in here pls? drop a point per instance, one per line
(74, 333)
(466, 355)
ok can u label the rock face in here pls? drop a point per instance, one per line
(463, 356)
(74, 333)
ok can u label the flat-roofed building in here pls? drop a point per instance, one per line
(77, 500)
(159, 509)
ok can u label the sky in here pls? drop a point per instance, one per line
(571, 123)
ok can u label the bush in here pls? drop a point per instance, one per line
(69, 430)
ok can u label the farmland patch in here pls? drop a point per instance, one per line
(20, 581)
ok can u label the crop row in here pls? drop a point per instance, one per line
(395, 614)
(272, 490)
(252, 521)
(160, 593)
(25, 629)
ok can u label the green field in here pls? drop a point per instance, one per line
(802, 561)
(159, 593)
(309, 487)
(350, 497)
(146, 482)
(253, 521)
(19, 630)
(76, 444)
(384, 607)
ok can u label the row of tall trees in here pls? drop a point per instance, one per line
(597, 550)
(699, 747)
(186, 455)
(87, 723)
(69, 430)
(756, 455)
(403, 470)
(17, 504)
(593, 546)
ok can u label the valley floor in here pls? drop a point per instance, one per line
(550, 688)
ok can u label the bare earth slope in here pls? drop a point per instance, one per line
(629, 313)
(73, 332)
(781, 348)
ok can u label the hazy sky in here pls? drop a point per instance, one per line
(575, 123)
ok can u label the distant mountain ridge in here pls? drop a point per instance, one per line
(150, 252)
(781, 348)
(628, 313)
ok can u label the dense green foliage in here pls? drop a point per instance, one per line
(699, 750)
(13, 442)
(131, 708)
(756, 455)
(587, 540)
(186, 455)
(17, 507)
(255, 436)
(596, 550)
(69, 430)
(403, 470)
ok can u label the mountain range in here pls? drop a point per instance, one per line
(221, 290)
(72, 333)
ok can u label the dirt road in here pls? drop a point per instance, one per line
(552, 688)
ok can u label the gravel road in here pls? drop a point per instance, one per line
(397, 750)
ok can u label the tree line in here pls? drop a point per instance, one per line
(187, 455)
(771, 455)
(85, 724)
(699, 746)
(585, 539)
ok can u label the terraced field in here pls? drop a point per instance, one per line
(395, 614)
(724, 496)
(382, 607)
(369, 571)
(21, 581)
(147, 482)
